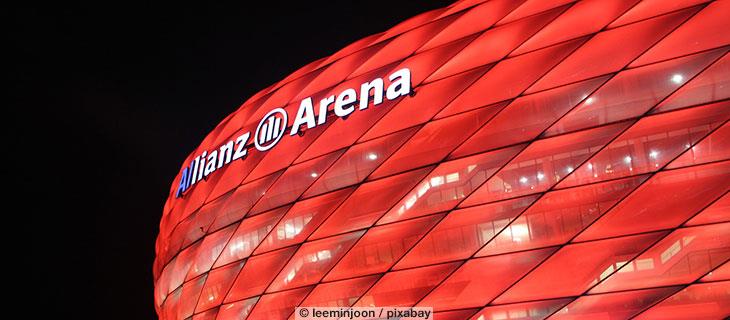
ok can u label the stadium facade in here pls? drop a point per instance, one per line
(499, 159)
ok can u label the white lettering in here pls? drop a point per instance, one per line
(271, 128)
(365, 88)
(323, 109)
(400, 84)
(305, 114)
(343, 104)
(241, 142)
(225, 155)
(210, 166)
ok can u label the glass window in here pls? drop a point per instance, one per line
(510, 77)
(337, 72)
(474, 20)
(463, 232)
(233, 174)
(293, 182)
(479, 281)
(423, 64)
(339, 293)
(179, 268)
(188, 298)
(698, 301)
(542, 164)
(536, 310)
(279, 305)
(343, 132)
(714, 147)
(495, 44)
(584, 17)
(358, 162)
(650, 144)
(530, 7)
(381, 247)
(720, 273)
(241, 200)
(711, 85)
(286, 151)
(577, 267)
(257, 273)
(369, 202)
(435, 141)
(207, 315)
(238, 310)
(651, 8)
(208, 252)
(429, 100)
(526, 117)
(312, 261)
(632, 93)
(411, 23)
(216, 287)
(621, 305)
(634, 39)
(404, 288)
(716, 212)
(249, 235)
(706, 30)
(449, 184)
(558, 216)
(302, 219)
(403, 45)
(665, 201)
(682, 257)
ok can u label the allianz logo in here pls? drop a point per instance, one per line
(273, 126)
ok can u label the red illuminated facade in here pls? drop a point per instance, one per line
(551, 159)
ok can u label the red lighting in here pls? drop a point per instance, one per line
(550, 159)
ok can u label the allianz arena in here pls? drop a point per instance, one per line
(499, 159)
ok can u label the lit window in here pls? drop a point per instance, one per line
(437, 181)
(452, 177)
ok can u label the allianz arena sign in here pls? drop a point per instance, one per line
(273, 126)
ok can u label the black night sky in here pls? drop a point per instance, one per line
(106, 100)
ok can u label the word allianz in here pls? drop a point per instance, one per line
(270, 130)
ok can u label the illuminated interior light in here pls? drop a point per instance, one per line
(606, 272)
(627, 268)
(437, 181)
(523, 180)
(411, 201)
(314, 175)
(677, 78)
(452, 177)
(519, 232)
(324, 255)
(423, 189)
(372, 156)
